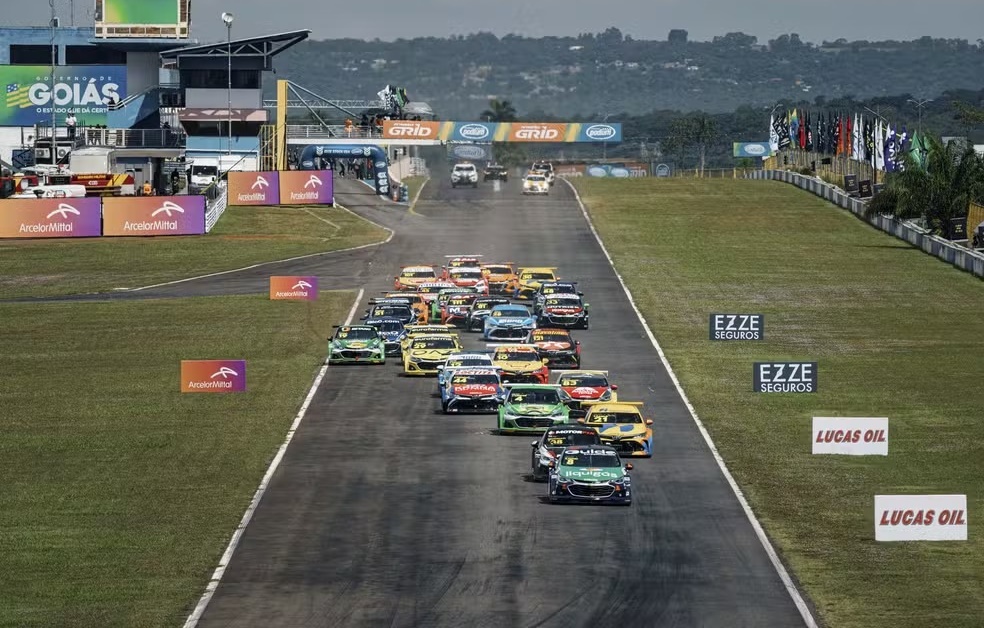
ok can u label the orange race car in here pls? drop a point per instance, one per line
(501, 277)
(412, 276)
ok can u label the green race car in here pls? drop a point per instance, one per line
(532, 408)
(356, 344)
(589, 473)
(438, 304)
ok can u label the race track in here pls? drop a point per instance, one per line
(385, 512)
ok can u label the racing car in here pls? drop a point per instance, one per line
(356, 344)
(382, 309)
(531, 408)
(508, 322)
(464, 174)
(495, 172)
(520, 364)
(552, 288)
(410, 299)
(392, 330)
(414, 331)
(412, 276)
(621, 425)
(425, 353)
(475, 389)
(468, 277)
(461, 361)
(429, 291)
(546, 169)
(589, 473)
(530, 280)
(557, 346)
(536, 183)
(501, 277)
(581, 386)
(564, 310)
(458, 261)
(552, 443)
(480, 308)
(455, 311)
(443, 295)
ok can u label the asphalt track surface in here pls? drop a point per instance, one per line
(385, 512)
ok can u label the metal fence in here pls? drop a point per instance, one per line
(962, 258)
(216, 201)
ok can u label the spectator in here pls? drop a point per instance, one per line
(358, 170)
(70, 123)
(147, 189)
(341, 168)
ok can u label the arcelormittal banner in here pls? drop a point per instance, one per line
(50, 218)
(153, 215)
(290, 187)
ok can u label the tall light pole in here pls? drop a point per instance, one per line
(54, 62)
(604, 146)
(919, 105)
(227, 18)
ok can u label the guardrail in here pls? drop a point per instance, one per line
(134, 138)
(317, 131)
(216, 201)
(964, 259)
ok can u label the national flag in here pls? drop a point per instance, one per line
(890, 149)
(802, 130)
(839, 135)
(17, 95)
(918, 150)
(820, 141)
(794, 126)
(879, 146)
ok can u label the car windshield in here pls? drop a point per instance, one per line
(532, 395)
(558, 290)
(499, 270)
(396, 311)
(568, 438)
(580, 459)
(205, 171)
(458, 263)
(537, 178)
(550, 336)
(355, 333)
(389, 326)
(459, 301)
(488, 378)
(621, 418)
(430, 289)
(563, 302)
(510, 312)
(435, 343)
(466, 274)
(464, 168)
(418, 274)
(593, 381)
(474, 361)
(486, 305)
(517, 356)
(547, 276)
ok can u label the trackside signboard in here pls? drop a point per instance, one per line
(254, 188)
(153, 215)
(921, 517)
(306, 187)
(213, 376)
(50, 218)
(784, 377)
(850, 436)
(737, 327)
(293, 288)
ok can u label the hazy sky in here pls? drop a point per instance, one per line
(814, 20)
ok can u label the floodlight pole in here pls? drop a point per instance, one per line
(919, 107)
(54, 63)
(227, 18)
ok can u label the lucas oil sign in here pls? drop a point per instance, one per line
(784, 377)
(921, 517)
(737, 327)
(850, 436)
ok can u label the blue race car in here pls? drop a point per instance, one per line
(460, 361)
(472, 389)
(508, 322)
(392, 330)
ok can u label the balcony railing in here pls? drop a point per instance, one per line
(316, 131)
(134, 138)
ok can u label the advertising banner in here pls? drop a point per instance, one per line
(784, 377)
(737, 327)
(293, 288)
(618, 171)
(473, 131)
(850, 436)
(503, 131)
(920, 517)
(594, 132)
(307, 187)
(411, 130)
(86, 90)
(213, 376)
(153, 215)
(142, 13)
(254, 188)
(470, 152)
(752, 149)
(50, 218)
(531, 132)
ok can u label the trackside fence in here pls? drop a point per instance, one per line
(216, 201)
(962, 258)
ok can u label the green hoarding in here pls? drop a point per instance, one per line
(86, 90)
(140, 12)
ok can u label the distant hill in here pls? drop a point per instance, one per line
(612, 73)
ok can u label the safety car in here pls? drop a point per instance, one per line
(393, 332)
(412, 276)
(474, 389)
(546, 169)
(461, 361)
(564, 310)
(501, 277)
(464, 174)
(552, 443)
(621, 425)
(589, 473)
(535, 184)
(425, 353)
(557, 346)
(424, 330)
(382, 308)
(530, 280)
(480, 308)
(455, 311)
(520, 364)
(356, 344)
(531, 408)
(508, 322)
(581, 386)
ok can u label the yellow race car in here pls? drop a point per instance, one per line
(501, 277)
(621, 425)
(426, 352)
(520, 364)
(530, 280)
(413, 331)
(412, 276)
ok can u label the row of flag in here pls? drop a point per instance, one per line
(876, 142)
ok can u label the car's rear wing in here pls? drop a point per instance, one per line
(614, 403)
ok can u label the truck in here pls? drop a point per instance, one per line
(96, 168)
(203, 171)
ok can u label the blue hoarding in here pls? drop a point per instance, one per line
(752, 149)
(86, 90)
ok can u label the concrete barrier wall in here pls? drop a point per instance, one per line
(962, 258)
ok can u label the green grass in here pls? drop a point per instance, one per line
(413, 186)
(120, 493)
(896, 332)
(244, 236)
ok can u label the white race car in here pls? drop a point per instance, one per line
(464, 174)
(536, 184)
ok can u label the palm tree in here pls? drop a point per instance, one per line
(952, 177)
(500, 111)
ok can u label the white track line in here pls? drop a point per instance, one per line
(787, 581)
(213, 583)
(278, 261)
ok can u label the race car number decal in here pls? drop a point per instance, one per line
(569, 461)
(555, 441)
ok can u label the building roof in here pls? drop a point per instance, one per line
(264, 46)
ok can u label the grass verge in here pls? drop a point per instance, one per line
(414, 184)
(119, 492)
(244, 236)
(896, 333)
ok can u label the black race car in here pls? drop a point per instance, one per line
(495, 172)
(554, 441)
(480, 308)
(566, 311)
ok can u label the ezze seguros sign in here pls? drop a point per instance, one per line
(737, 327)
(784, 377)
